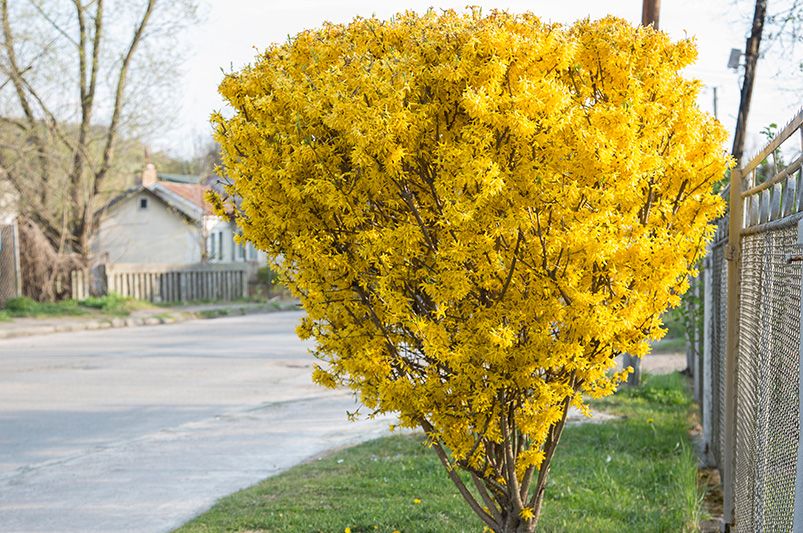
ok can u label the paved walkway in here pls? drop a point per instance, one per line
(141, 429)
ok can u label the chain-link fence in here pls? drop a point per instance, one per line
(719, 299)
(768, 373)
(751, 400)
(10, 277)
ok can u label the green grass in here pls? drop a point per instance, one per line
(632, 474)
(111, 304)
(214, 313)
(670, 345)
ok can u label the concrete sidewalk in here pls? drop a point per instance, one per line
(24, 327)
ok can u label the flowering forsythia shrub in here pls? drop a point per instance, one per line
(478, 214)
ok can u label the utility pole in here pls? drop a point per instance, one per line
(650, 11)
(751, 58)
(716, 115)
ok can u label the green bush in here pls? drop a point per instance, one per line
(24, 306)
(109, 302)
(675, 324)
(266, 276)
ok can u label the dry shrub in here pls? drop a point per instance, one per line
(45, 270)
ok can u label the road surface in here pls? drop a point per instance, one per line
(141, 429)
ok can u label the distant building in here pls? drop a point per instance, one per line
(166, 220)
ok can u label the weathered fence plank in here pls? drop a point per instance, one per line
(169, 283)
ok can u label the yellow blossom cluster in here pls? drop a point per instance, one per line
(478, 214)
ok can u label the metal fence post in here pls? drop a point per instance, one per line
(734, 257)
(706, 399)
(15, 250)
(797, 518)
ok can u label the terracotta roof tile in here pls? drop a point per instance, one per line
(192, 192)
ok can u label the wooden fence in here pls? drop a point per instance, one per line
(165, 283)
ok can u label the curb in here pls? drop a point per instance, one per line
(133, 322)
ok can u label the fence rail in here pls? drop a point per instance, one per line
(751, 403)
(164, 283)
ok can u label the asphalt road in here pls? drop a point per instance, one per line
(141, 429)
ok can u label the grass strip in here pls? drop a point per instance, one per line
(109, 305)
(633, 473)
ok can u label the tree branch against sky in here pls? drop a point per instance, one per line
(73, 71)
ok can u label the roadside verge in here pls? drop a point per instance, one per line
(25, 327)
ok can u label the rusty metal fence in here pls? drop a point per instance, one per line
(751, 403)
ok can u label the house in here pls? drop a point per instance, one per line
(166, 220)
(164, 225)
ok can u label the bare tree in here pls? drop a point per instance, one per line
(776, 28)
(783, 29)
(76, 79)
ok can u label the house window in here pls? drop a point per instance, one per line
(220, 245)
(252, 252)
(212, 247)
(242, 248)
(143, 203)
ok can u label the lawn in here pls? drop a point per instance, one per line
(634, 473)
(110, 305)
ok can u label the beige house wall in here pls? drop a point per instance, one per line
(130, 233)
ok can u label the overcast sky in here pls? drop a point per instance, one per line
(234, 30)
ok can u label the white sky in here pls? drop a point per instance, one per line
(235, 29)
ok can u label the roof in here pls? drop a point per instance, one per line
(183, 192)
(186, 198)
(191, 193)
(179, 178)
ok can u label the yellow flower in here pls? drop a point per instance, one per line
(347, 530)
(650, 421)
(416, 501)
(477, 212)
(526, 514)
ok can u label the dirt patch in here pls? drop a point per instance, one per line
(660, 363)
(708, 479)
(574, 416)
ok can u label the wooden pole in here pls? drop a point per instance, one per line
(716, 114)
(650, 13)
(649, 16)
(734, 257)
(751, 58)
